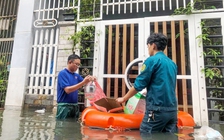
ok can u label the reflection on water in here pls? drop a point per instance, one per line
(94, 134)
(28, 125)
(97, 134)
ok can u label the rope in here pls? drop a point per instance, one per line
(111, 128)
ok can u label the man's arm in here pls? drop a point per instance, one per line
(130, 93)
(72, 88)
(75, 87)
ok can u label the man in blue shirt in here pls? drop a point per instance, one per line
(158, 76)
(67, 88)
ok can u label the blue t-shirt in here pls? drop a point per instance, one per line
(158, 75)
(66, 78)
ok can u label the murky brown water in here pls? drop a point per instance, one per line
(28, 125)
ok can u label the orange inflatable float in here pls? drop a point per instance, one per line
(93, 118)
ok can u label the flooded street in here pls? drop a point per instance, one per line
(27, 125)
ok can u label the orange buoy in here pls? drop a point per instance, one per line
(185, 119)
(94, 118)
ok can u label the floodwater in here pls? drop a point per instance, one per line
(29, 125)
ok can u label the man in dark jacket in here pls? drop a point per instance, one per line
(158, 76)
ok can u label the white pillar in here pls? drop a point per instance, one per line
(21, 55)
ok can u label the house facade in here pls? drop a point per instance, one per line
(116, 35)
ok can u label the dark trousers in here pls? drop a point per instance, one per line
(159, 121)
(67, 110)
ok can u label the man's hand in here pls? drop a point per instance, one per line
(93, 78)
(87, 79)
(120, 100)
(130, 93)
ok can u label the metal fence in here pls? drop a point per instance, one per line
(48, 12)
(130, 6)
(8, 15)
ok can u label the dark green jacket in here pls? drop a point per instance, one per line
(158, 76)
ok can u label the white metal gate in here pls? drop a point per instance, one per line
(44, 56)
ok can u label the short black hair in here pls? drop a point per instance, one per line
(159, 39)
(72, 57)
